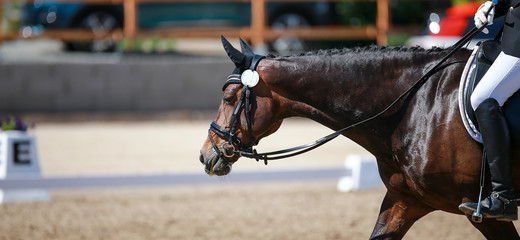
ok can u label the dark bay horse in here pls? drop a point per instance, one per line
(425, 157)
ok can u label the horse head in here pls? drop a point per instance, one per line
(247, 113)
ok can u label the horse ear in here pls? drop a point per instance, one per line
(236, 56)
(246, 49)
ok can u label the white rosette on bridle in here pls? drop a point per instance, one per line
(249, 78)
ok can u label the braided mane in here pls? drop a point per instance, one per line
(370, 49)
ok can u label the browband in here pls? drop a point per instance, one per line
(236, 78)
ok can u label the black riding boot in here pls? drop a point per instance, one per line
(495, 135)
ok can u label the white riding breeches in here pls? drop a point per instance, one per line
(500, 82)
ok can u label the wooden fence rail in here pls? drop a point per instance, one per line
(258, 32)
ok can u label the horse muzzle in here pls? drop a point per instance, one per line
(215, 164)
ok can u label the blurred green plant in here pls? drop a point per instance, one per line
(147, 45)
(456, 2)
(397, 39)
(11, 16)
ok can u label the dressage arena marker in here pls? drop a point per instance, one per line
(363, 174)
(19, 160)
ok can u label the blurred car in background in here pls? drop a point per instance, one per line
(445, 29)
(40, 15)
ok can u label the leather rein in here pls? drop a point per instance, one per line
(234, 144)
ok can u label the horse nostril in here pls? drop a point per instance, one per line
(201, 158)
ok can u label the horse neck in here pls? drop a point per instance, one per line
(341, 89)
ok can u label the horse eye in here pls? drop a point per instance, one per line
(229, 99)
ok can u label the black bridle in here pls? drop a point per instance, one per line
(236, 146)
(234, 143)
(231, 135)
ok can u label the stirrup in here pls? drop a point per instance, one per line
(477, 216)
(507, 213)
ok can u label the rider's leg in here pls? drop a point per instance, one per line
(500, 82)
(495, 135)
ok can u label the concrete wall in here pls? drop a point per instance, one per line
(137, 85)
